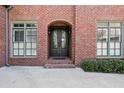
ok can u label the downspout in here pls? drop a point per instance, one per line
(74, 20)
(8, 7)
(6, 59)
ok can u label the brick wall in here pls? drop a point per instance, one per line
(2, 36)
(86, 19)
(82, 19)
(44, 15)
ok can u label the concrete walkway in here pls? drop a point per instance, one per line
(20, 76)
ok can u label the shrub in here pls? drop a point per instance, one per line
(88, 65)
(106, 66)
(119, 66)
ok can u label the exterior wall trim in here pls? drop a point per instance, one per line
(11, 48)
(122, 32)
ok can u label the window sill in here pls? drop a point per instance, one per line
(110, 57)
(23, 57)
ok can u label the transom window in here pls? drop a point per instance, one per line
(109, 38)
(24, 38)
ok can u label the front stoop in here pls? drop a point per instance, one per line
(62, 63)
(59, 66)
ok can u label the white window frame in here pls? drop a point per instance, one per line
(122, 42)
(11, 37)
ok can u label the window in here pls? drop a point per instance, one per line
(24, 37)
(109, 35)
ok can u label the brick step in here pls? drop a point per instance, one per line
(59, 62)
(59, 66)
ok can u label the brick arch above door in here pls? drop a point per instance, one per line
(60, 23)
(60, 27)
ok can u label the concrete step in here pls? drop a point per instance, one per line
(59, 66)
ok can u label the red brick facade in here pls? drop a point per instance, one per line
(2, 36)
(44, 16)
(82, 20)
(86, 27)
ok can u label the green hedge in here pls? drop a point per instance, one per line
(106, 66)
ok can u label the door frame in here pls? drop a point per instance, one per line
(67, 28)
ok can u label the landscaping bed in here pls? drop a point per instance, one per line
(105, 66)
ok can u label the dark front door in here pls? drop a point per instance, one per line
(59, 42)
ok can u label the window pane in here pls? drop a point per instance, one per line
(28, 45)
(15, 52)
(18, 25)
(28, 52)
(31, 25)
(15, 45)
(111, 44)
(111, 52)
(34, 25)
(34, 38)
(112, 38)
(99, 45)
(99, 35)
(112, 31)
(102, 24)
(102, 35)
(21, 25)
(21, 45)
(28, 25)
(15, 25)
(21, 52)
(33, 45)
(104, 52)
(117, 52)
(28, 38)
(118, 31)
(117, 38)
(117, 45)
(28, 32)
(33, 32)
(118, 34)
(115, 24)
(16, 35)
(19, 36)
(33, 52)
(104, 45)
(115, 35)
(105, 32)
(99, 52)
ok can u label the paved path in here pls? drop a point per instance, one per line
(20, 76)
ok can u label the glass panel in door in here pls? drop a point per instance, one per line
(55, 39)
(63, 39)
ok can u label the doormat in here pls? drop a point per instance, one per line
(59, 58)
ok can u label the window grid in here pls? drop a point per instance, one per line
(109, 41)
(115, 42)
(31, 42)
(103, 48)
(17, 42)
(24, 49)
